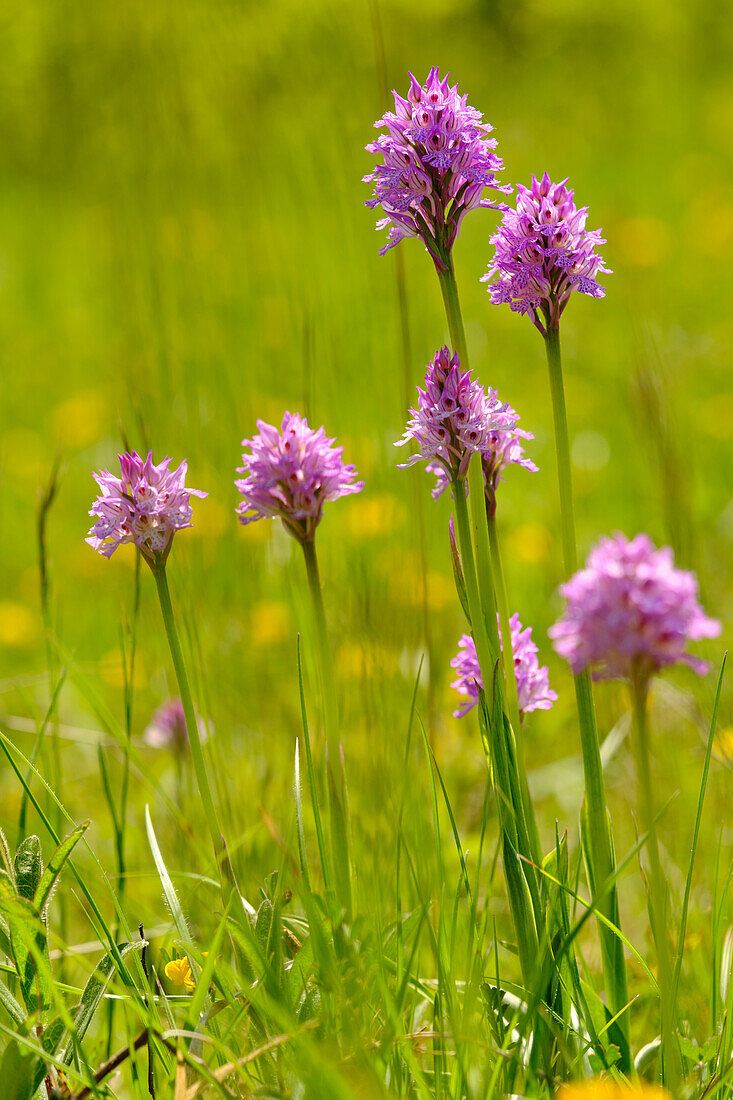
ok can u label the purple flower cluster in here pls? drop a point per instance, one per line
(630, 612)
(455, 416)
(505, 449)
(167, 728)
(146, 505)
(533, 686)
(437, 161)
(543, 252)
(292, 473)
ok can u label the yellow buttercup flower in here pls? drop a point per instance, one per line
(600, 1089)
(178, 972)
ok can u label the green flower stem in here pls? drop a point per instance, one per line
(599, 850)
(511, 682)
(335, 771)
(524, 925)
(514, 813)
(486, 653)
(494, 596)
(502, 607)
(528, 836)
(189, 714)
(449, 288)
(671, 1068)
(325, 660)
(562, 447)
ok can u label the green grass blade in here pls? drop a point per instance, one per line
(14, 1010)
(101, 926)
(171, 897)
(696, 835)
(302, 850)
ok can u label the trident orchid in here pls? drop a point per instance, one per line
(146, 505)
(291, 473)
(454, 418)
(631, 612)
(533, 686)
(437, 162)
(543, 253)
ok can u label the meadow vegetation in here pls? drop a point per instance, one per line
(184, 248)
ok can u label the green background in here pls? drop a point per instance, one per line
(184, 247)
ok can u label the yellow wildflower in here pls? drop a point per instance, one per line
(605, 1089)
(178, 972)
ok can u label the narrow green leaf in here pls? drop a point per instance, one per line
(458, 573)
(107, 788)
(169, 891)
(11, 1006)
(696, 835)
(298, 794)
(520, 902)
(55, 865)
(99, 924)
(608, 1033)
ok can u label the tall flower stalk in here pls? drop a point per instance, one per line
(522, 881)
(146, 505)
(543, 253)
(502, 606)
(189, 712)
(484, 509)
(454, 427)
(598, 843)
(290, 474)
(630, 614)
(437, 161)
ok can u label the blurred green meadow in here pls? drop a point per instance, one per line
(184, 248)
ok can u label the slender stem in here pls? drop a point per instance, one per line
(335, 771)
(509, 812)
(478, 623)
(407, 364)
(483, 616)
(599, 851)
(325, 659)
(129, 696)
(506, 634)
(511, 681)
(449, 288)
(189, 714)
(562, 448)
(491, 578)
(527, 833)
(658, 893)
